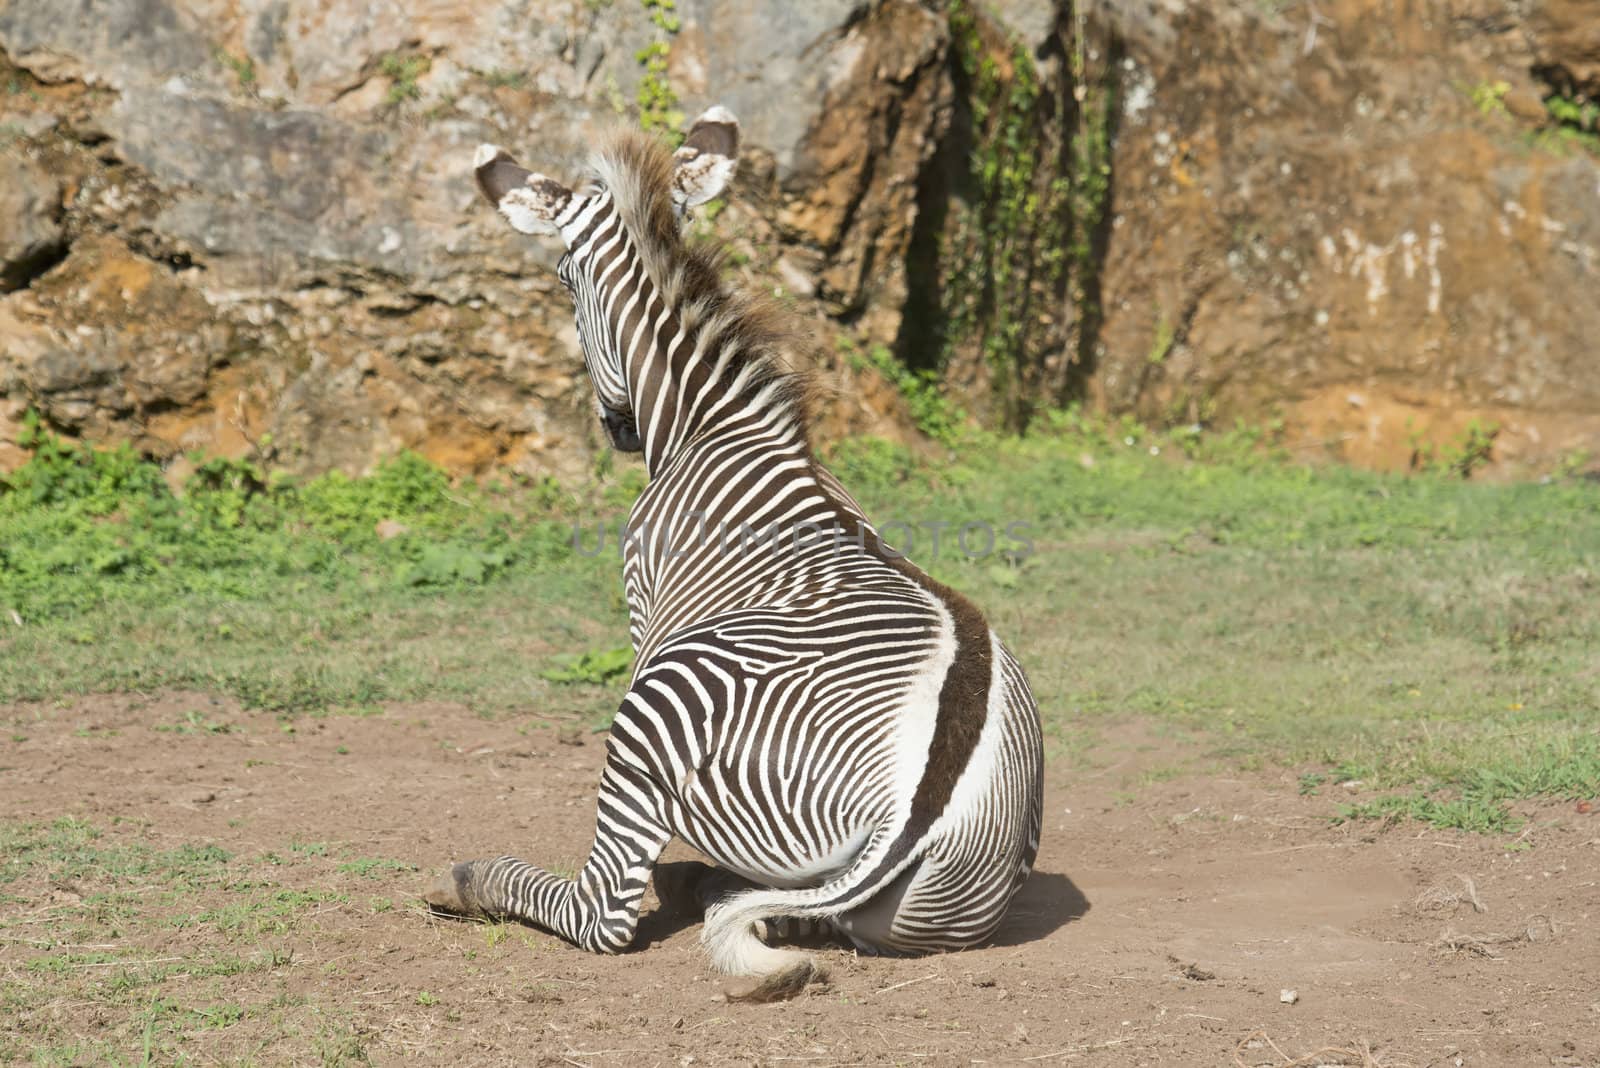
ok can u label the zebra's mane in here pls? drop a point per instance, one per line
(638, 169)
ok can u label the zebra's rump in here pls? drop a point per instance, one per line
(771, 733)
(782, 739)
(984, 844)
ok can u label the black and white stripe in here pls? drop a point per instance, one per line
(808, 710)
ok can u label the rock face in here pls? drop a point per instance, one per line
(248, 226)
(30, 206)
(1338, 217)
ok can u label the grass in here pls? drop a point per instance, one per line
(1437, 633)
(374, 866)
(177, 953)
(930, 409)
(72, 850)
(127, 892)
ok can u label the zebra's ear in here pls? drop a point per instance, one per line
(531, 203)
(707, 160)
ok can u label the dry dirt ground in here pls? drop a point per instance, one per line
(1168, 914)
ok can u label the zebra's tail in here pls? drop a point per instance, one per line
(730, 932)
(778, 974)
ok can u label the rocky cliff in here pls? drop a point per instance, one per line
(1378, 220)
(247, 226)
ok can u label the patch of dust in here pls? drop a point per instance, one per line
(1139, 939)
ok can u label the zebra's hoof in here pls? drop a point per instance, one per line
(451, 893)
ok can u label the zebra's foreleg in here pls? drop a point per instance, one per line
(597, 910)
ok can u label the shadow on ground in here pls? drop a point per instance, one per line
(1047, 902)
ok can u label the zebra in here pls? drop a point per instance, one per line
(841, 734)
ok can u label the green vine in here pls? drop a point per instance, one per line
(1091, 162)
(1573, 120)
(658, 102)
(1023, 243)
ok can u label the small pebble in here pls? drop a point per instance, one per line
(1288, 997)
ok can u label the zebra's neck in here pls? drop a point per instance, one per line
(689, 368)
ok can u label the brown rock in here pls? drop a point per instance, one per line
(1566, 34)
(1352, 224)
(248, 227)
(31, 237)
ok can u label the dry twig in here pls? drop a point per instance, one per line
(1538, 929)
(1441, 896)
(1327, 1057)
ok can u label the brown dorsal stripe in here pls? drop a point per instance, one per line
(963, 698)
(963, 705)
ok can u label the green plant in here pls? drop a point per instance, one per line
(872, 465)
(196, 723)
(1573, 121)
(243, 68)
(931, 410)
(1477, 797)
(1161, 344)
(594, 667)
(81, 524)
(1584, 115)
(403, 69)
(657, 100)
(61, 471)
(450, 564)
(703, 221)
(1489, 97)
(1025, 241)
(499, 78)
(1572, 463)
(613, 96)
(1468, 451)
(371, 867)
(71, 849)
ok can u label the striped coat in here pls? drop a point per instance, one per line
(842, 735)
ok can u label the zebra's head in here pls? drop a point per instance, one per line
(616, 211)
